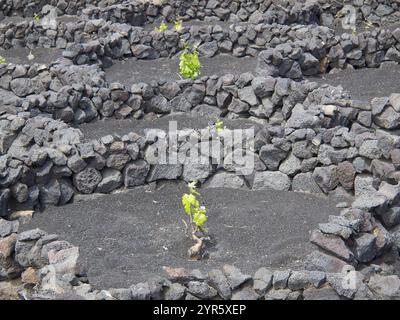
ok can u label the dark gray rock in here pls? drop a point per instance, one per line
(262, 280)
(76, 163)
(117, 161)
(365, 247)
(279, 294)
(50, 193)
(272, 156)
(388, 119)
(87, 180)
(238, 106)
(304, 182)
(157, 104)
(135, 173)
(263, 87)
(246, 293)
(22, 87)
(390, 217)
(8, 227)
(175, 291)
(217, 280)
(271, 180)
(326, 177)
(142, 51)
(234, 276)
(336, 229)
(304, 279)
(112, 179)
(225, 180)
(323, 262)
(140, 291)
(195, 94)
(301, 118)
(346, 283)
(247, 95)
(280, 279)
(4, 197)
(164, 171)
(208, 49)
(291, 165)
(201, 290)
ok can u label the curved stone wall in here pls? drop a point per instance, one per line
(309, 139)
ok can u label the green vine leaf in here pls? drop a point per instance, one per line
(189, 64)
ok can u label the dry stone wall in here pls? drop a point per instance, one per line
(286, 51)
(308, 138)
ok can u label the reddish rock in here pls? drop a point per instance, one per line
(346, 174)
(333, 244)
(7, 245)
(30, 276)
(177, 274)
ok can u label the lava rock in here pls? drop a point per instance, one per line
(303, 279)
(217, 280)
(234, 276)
(271, 180)
(365, 247)
(332, 244)
(112, 179)
(4, 198)
(135, 173)
(87, 180)
(262, 281)
(201, 290)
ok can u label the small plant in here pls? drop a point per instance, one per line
(368, 25)
(178, 25)
(36, 18)
(219, 126)
(162, 27)
(197, 219)
(216, 127)
(189, 65)
(2, 60)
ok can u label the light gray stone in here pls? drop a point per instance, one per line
(271, 180)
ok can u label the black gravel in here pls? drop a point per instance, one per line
(101, 128)
(131, 71)
(365, 84)
(45, 56)
(128, 237)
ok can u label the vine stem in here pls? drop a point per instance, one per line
(195, 250)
